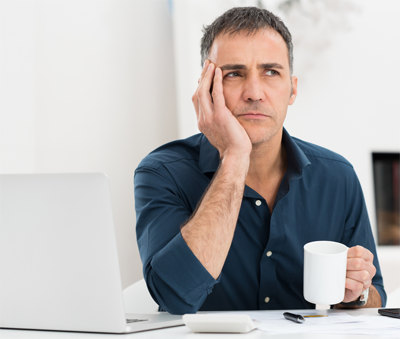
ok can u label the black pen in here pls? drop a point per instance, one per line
(297, 318)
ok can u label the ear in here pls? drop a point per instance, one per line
(294, 90)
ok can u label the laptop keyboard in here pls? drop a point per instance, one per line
(128, 321)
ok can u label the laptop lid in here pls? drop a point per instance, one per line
(58, 256)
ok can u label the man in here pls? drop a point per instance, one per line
(222, 217)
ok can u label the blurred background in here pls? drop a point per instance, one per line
(95, 85)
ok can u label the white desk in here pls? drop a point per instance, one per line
(182, 332)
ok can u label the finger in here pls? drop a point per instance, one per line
(356, 264)
(360, 252)
(204, 70)
(356, 268)
(203, 93)
(350, 295)
(196, 104)
(196, 94)
(218, 93)
(355, 286)
(362, 277)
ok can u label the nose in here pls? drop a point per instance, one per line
(253, 89)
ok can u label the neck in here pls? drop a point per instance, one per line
(268, 164)
(268, 159)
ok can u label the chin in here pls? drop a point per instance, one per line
(260, 136)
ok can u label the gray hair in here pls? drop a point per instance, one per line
(247, 19)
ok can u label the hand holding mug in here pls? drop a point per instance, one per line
(359, 273)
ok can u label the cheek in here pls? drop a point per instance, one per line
(280, 95)
(232, 95)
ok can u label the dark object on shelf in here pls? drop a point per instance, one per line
(387, 197)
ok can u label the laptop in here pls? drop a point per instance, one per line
(59, 266)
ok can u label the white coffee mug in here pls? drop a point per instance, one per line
(325, 265)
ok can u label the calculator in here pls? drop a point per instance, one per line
(390, 312)
(219, 323)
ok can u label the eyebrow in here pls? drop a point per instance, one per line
(260, 66)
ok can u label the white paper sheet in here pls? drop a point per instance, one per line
(338, 323)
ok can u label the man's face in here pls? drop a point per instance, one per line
(256, 81)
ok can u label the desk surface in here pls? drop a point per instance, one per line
(182, 332)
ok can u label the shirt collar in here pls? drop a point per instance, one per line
(297, 160)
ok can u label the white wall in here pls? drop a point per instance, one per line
(17, 123)
(88, 86)
(348, 102)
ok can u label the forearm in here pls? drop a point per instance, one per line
(374, 300)
(209, 232)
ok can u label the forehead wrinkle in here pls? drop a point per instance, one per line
(249, 34)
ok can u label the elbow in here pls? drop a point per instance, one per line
(174, 304)
(180, 308)
(169, 300)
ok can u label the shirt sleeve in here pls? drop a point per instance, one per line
(358, 228)
(176, 279)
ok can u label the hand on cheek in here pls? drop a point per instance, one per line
(360, 271)
(214, 119)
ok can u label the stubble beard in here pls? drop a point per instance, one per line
(258, 133)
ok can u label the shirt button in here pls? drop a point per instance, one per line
(258, 202)
(269, 253)
(266, 300)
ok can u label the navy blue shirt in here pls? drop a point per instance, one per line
(319, 198)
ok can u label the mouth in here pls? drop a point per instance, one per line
(253, 115)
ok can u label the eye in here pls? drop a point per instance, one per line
(271, 72)
(232, 75)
